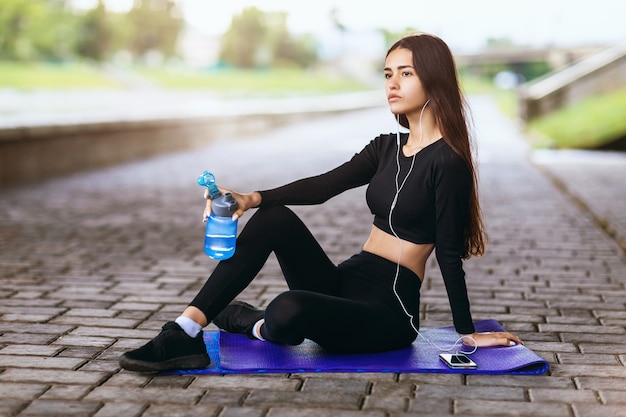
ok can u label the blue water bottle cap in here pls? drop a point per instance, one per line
(208, 180)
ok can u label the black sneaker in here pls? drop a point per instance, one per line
(170, 349)
(239, 317)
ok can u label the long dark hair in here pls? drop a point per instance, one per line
(435, 67)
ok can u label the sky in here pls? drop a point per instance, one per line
(463, 24)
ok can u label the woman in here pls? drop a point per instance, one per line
(422, 191)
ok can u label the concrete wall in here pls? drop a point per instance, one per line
(28, 153)
(599, 73)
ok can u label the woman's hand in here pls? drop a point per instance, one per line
(484, 339)
(244, 202)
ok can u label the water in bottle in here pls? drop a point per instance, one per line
(221, 229)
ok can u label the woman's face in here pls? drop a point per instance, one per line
(405, 93)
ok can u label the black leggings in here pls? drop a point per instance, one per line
(351, 307)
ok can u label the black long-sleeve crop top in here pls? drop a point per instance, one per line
(432, 206)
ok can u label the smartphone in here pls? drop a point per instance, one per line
(457, 360)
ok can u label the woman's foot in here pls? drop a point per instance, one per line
(239, 317)
(171, 349)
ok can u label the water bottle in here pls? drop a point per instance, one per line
(221, 229)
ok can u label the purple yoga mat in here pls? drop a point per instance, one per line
(236, 354)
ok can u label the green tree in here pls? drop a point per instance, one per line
(260, 39)
(95, 34)
(241, 44)
(155, 25)
(36, 30)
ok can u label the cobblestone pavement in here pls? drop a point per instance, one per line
(92, 265)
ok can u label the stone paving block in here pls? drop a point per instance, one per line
(335, 385)
(90, 312)
(36, 350)
(566, 328)
(598, 382)
(563, 395)
(26, 310)
(389, 403)
(111, 332)
(34, 328)
(27, 318)
(66, 392)
(98, 365)
(365, 376)
(321, 412)
(584, 410)
(274, 382)
(609, 339)
(86, 352)
(336, 400)
(130, 379)
(12, 406)
(85, 304)
(382, 388)
(587, 359)
(95, 341)
(52, 376)
(603, 371)
(613, 397)
(242, 412)
(19, 390)
(145, 395)
(50, 407)
(528, 381)
(224, 397)
(96, 321)
(424, 392)
(173, 381)
(431, 406)
(27, 338)
(540, 346)
(120, 409)
(436, 379)
(13, 361)
(486, 408)
(614, 349)
(175, 410)
(574, 319)
(134, 306)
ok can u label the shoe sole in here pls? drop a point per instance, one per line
(186, 362)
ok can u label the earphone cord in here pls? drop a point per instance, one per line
(395, 280)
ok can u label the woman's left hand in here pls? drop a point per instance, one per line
(484, 339)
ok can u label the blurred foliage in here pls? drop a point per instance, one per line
(257, 39)
(41, 76)
(95, 34)
(51, 30)
(592, 123)
(227, 82)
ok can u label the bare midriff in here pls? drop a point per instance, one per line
(410, 255)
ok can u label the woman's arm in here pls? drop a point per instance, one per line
(452, 183)
(312, 190)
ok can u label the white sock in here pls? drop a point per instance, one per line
(189, 326)
(256, 330)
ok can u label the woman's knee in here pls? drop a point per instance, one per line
(271, 218)
(284, 318)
